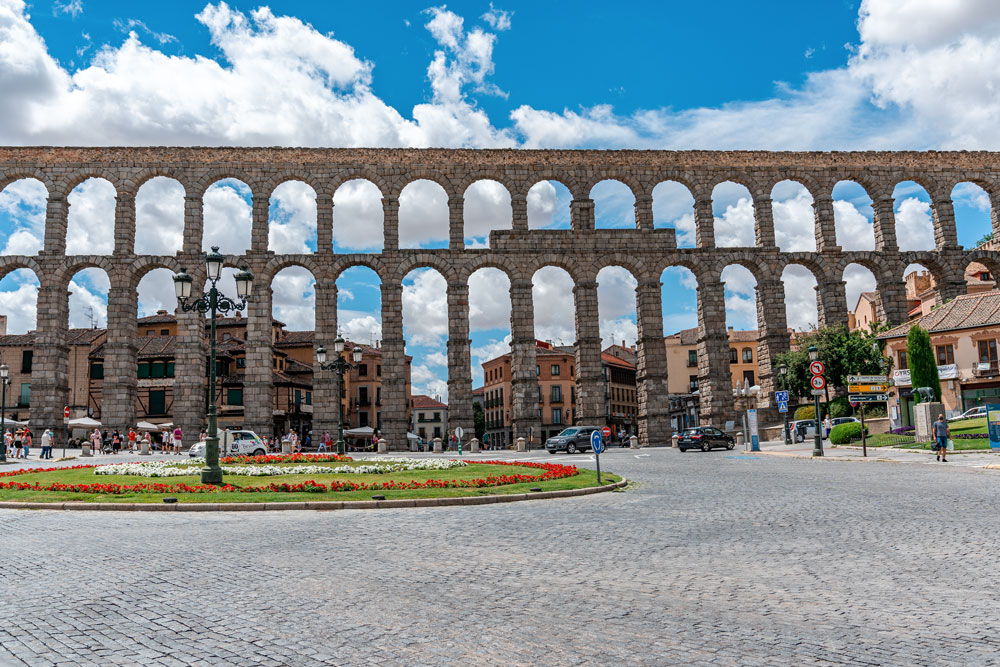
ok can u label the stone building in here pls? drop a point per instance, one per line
(621, 404)
(520, 252)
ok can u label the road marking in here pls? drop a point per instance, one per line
(639, 456)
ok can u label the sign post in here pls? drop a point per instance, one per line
(993, 426)
(752, 427)
(866, 389)
(597, 442)
(458, 436)
(66, 435)
(818, 383)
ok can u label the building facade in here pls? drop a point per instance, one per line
(429, 418)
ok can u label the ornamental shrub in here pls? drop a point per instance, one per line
(845, 433)
(923, 366)
(805, 412)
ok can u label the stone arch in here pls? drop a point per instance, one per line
(364, 213)
(794, 216)
(135, 182)
(159, 224)
(268, 185)
(914, 216)
(206, 180)
(475, 175)
(144, 264)
(613, 194)
(345, 262)
(293, 228)
(634, 265)
(623, 176)
(72, 180)
(279, 263)
(497, 213)
(350, 174)
(20, 174)
(11, 263)
(63, 274)
(564, 178)
(412, 176)
(425, 261)
(507, 265)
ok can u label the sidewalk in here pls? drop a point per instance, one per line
(972, 459)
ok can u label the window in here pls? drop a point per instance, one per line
(170, 369)
(555, 369)
(26, 356)
(143, 370)
(233, 397)
(538, 370)
(378, 395)
(241, 362)
(420, 417)
(984, 276)
(748, 355)
(363, 370)
(557, 416)
(748, 379)
(437, 431)
(226, 336)
(733, 358)
(150, 332)
(25, 400)
(539, 393)
(988, 351)
(298, 397)
(693, 383)
(164, 332)
(901, 358)
(378, 370)
(945, 355)
(437, 416)
(572, 394)
(158, 402)
(158, 369)
(692, 358)
(556, 396)
(309, 398)
(97, 371)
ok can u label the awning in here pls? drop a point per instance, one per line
(84, 422)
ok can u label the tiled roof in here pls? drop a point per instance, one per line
(612, 360)
(296, 366)
(73, 337)
(688, 336)
(297, 338)
(158, 318)
(424, 402)
(968, 311)
(743, 336)
(481, 391)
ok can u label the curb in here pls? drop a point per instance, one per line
(858, 459)
(318, 505)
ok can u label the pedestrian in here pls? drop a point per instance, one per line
(323, 442)
(131, 440)
(46, 444)
(116, 442)
(26, 442)
(177, 440)
(95, 441)
(18, 435)
(375, 441)
(8, 443)
(941, 435)
(827, 425)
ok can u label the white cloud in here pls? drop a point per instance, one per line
(794, 218)
(90, 229)
(127, 26)
(552, 298)
(292, 218)
(617, 331)
(23, 203)
(159, 217)
(72, 7)
(293, 298)
(673, 206)
(465, 58)
(614, 205)
(736, 227)
(740, 296)
(156, 292)
(360, 328)
(858, 279)
(423, 215)
(358, 218)
(423, 380)
(19, 304)
(489, 300)
(425, 308)
(801, 309)
(972, 195)
(854, 230)
(914, 228)
(487, 207)
(439, 359)
(548, 206)
(228, 221)
(498, 19)
(88, 299)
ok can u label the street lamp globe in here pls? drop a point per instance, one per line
(244, 282)
(813, 353)
(213, 262)
(782, 370)
(356, 354)
(338, 345)
(182, 285)
(321, 354)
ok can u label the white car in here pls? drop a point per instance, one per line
(234, 443)
(971, 413)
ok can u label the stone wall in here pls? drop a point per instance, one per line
(582, 251)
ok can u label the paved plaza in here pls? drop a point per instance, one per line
(718, 558)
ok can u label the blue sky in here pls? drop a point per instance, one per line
(803, 76)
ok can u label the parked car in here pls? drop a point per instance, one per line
(971, 413)
(704, 438)
(844, 420)
(234, 443)
(571, 440)
(803, 429)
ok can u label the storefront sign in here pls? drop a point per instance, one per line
(901, 378)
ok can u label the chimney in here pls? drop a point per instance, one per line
(161, 312)
(3, 325)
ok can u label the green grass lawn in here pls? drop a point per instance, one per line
(585, 478)
(977, 425)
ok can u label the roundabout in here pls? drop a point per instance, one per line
(321, 481)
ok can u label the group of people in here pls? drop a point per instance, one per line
(115, 441)
(18, 442)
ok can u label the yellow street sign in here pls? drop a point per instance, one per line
(868, 388)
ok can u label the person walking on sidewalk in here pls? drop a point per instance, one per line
(941, 435)
(46, 444)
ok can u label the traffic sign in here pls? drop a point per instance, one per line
(817, 368)
(864, 379)
(66, 412)
(868, 388)
(818, 392)
(854, 404)
(782, 406)
(606, 431)
(459, 432)
(781, 396)
(868, 398)
(817, 382)
(597, 442)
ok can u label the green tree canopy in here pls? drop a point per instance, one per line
(920, 357)
(843, 353)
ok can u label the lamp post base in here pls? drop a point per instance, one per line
(211, 475)
(341, 449)
(817, 451)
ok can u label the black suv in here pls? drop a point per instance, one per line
(572, 440)
(704, 438)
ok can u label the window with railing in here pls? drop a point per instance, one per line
(555, 370)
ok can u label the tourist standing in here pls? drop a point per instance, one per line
(827, 425)
(46, 444)
(95, 441)
(323, 442)
(116, 442)
(177, 440)
(26, 442)
(941, 434)
(131, 440)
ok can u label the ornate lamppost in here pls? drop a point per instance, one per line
(783, 374)
(4, 380)
(212, 302)
(341, 366)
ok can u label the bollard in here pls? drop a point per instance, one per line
(383, 446)
(474, 445)
(85, 449)
(144, 448)
(739, 439)
(633, 442)
(673, 440)
(286, 446)
(437, 446)
(522, 445)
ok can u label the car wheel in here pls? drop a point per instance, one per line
(706, 447)
(259, 452)
(683, 449)
(572, 449)
(731, 445)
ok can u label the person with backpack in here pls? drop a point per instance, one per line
(941, 434)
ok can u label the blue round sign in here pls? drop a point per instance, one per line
(597, 442)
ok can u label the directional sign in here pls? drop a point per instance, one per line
(782, 406)
(868, 388)
(817, 382)
(817, 368)
(597, 442)
(781, 396)
(864, 379)
(606, 432)
(868, 398)
(459, 432)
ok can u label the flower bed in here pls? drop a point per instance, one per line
(281, 458)
(550, 471)
(379, 467)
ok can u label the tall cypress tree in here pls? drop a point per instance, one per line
(923, 367)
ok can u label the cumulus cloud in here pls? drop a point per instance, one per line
(801, 309)
(90, 228)
(228, 217)
(552, 298)
(548, 206)
(156, 292)
(360, 328)
(794, 218)
(292, 218)
(22, 212)
(487, 207)
(20, 300)
(741, 297)
(914, 228)
(425, 308)
(358, 217)
(498, 19)
(736, 227)
(854, 230)
(159, 217)
(423, 216)
(858, 279)
(293, 298)
(88, 299)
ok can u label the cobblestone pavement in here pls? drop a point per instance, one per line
(957, 459)
(719, 558)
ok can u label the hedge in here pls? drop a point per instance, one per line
(805, 412)
(845, 433)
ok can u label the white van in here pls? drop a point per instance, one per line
(234, 442)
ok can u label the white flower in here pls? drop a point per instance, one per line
(368, 467)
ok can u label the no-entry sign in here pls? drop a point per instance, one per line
(66, 412)
(817, 368)
(606, 431)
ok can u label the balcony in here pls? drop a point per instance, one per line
(555, 399)
(692, 363)
(364, 402)
(986, 369)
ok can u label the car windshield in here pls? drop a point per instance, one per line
(570, 431)
(691, 431)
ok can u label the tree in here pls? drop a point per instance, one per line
(843, 353)
(478, 420)
(923, 367)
